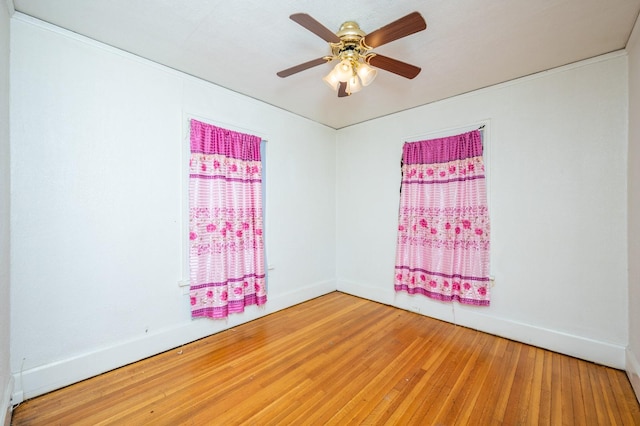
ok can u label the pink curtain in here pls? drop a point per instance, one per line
(443, 230)
(226, 255)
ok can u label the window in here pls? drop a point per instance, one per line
(226, 261)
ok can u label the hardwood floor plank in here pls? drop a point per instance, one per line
(577, 393)
(509, 375)
(458, 367)
(429, 388)
(598, 395)
(342, 360)
(404, 367)
(620, 386)
(544, 415)
(557, 403)
(458, 384)
(520, 389)
(609, 397)
(467, 388)
(537, 386)
(566, 391)
(588, 400)
(492, 387)
(487, 384)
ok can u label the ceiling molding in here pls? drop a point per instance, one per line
(635, 32)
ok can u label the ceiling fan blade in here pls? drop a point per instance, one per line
(342, 90)
(412, 23)
(301, 67)
(393, 65)
(315, 27)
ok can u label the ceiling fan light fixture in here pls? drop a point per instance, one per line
(332, 80)
(366, 73)
(353, 84)
(343, 71)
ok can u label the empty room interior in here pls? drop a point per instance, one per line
(99, 105)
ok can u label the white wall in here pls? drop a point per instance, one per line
(97, 224)
(633, 351)
(5, 372)
(557, 146)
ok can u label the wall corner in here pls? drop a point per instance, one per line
(7, 404)
(633, 371)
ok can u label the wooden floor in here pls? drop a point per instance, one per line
(341, 360)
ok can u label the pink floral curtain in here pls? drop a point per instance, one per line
(226, 254)
(443, 230)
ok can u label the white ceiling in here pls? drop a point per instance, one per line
(241, 44)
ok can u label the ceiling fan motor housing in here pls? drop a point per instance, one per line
(351, 46)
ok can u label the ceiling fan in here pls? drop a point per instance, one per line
(352, 47)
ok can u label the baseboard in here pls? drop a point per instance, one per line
(46, 378)
(633, 371)
(7, 405)
(600, 352)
